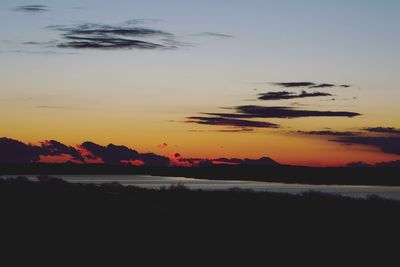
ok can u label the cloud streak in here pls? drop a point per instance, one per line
(282, 95)
(221, 121)
(254, 111)
(215, 34)
(242, 116)
(308, 85)
(32, 8)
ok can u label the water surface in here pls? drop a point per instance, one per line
(156, 182)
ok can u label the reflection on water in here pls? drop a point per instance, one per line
(147, 181)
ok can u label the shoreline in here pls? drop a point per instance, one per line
(362, 176)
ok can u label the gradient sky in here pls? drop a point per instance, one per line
(142, 98)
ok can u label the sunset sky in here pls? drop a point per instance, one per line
(303, 82)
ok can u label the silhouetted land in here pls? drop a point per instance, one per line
(83, 224)
(274, 173)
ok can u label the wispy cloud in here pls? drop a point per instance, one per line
(215, 34)
(51, 107)
(32, 8)
(38, 52)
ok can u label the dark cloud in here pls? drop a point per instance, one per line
(308, 85)
(151, 159)
(294, 84)
(289, 95)
(113, 154)
(230, 122)
(389, 130)
(110, 154)
(99, 36)
(242, 115)
(13, 151)
(215, 34)
(32, 8)
(390, 145)
(55, 148)
(289, 112)
(106, 43)
(327, 132)
(253, 111)
(91, 29)
(387, 144)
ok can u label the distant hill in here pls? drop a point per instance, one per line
(249, 171)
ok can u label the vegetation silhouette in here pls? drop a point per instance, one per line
(55, 221)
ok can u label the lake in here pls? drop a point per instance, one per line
(156, 182)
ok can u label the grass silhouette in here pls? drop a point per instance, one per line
(109, 223)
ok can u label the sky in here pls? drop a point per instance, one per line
(206, 79)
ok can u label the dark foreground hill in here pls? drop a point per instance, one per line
(83, 225)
